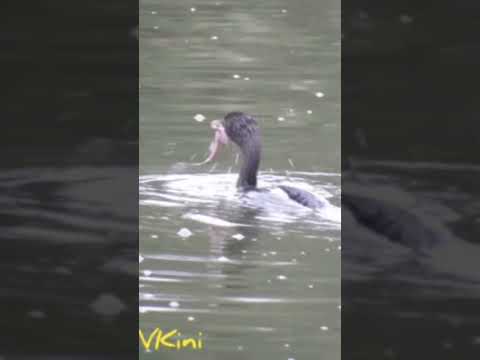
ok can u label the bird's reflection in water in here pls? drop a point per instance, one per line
(230, 246)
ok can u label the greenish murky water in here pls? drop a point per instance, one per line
(259, 278)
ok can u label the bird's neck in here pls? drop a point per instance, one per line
(251, 155)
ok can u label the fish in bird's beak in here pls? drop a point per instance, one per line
(220, 138)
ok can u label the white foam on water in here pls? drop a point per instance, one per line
(213, 189)
(210, 220)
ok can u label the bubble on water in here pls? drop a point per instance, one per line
(214, 37)
(37, 314)
(319, 94)
(108, 305)
(310, 286)
(309, 112)
(192, 9)
(324, 328)
(238, 237)
(284, 11)
(154, 13)
(223, 259)
(184, 233)
(154, 236)
(447, 345)
(148, 296)
(147, 273)
(405, 19)
(155, 27)
(236, 76)
(174, 304)
(63, 271)
(281, 118)
(281, 277)
(199, 117)
(191, 318)
(246, 78)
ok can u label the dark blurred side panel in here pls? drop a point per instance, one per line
(410, 175)
(69, 179)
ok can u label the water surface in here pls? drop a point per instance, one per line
(258, 277)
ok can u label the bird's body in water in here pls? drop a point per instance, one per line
(243, 130)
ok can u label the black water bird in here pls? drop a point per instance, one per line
(243, 130)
